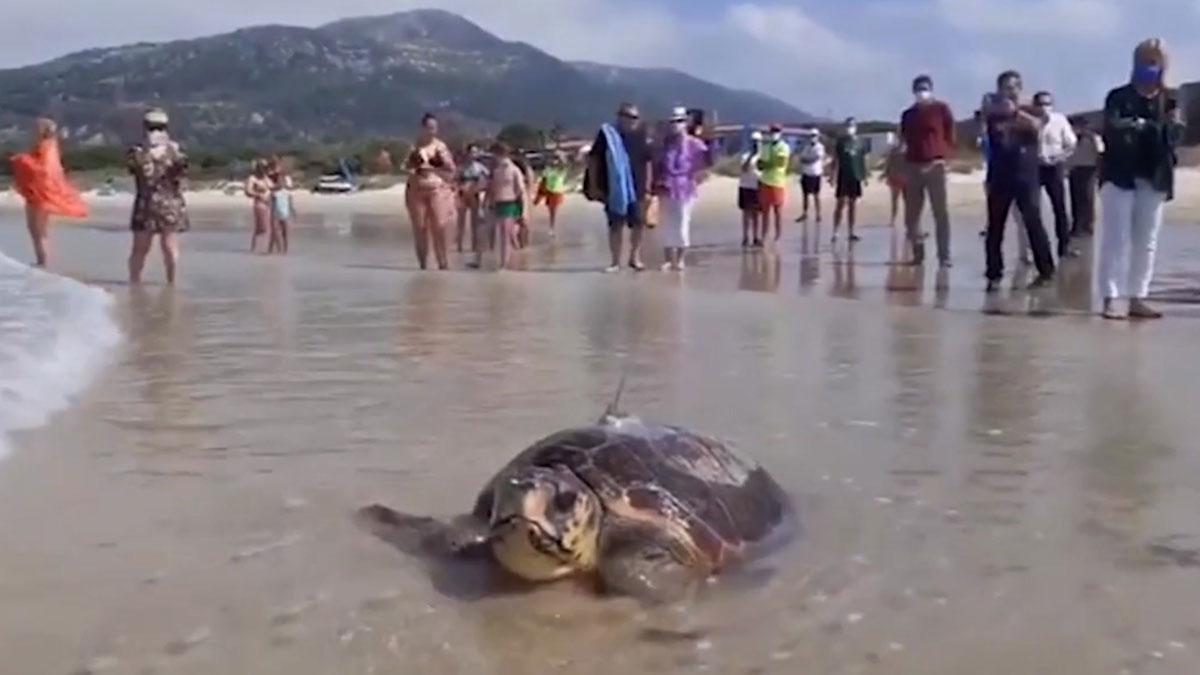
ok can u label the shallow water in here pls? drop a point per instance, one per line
(981, 492)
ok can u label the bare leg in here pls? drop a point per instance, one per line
(439, 215)
(817, 206)
(417, 209)
(895, 205)
(635, 246)
(852, 217)
(137, 255)
(169, 243)
(747, 225)
(505, 233)
(283, 234)
(837, 216)
(464, 207)
(553, 218)
(778, 222)
(273, 242)
(38, 222)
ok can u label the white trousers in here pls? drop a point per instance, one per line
(676, 222)
(1130, 217)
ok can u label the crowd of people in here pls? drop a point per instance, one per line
(1028, 147)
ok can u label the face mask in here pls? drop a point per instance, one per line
(157, 138)
(1047, 109)
(777, 136)
(851, 131)
(679, 128)
(1147, 74)
(923, 95)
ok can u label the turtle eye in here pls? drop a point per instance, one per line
(565, 501)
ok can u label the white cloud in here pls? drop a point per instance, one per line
(1091, 19)
(827, 57)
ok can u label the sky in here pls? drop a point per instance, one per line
(829, 57)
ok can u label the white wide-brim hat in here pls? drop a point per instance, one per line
(156, 116)
(679, 114)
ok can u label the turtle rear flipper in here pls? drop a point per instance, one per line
(422, 535)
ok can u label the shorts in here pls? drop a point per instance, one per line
(553, 199)
(632, 219)
(810, 185)
(770, 196)
(508, 209)
(747, 199)
(849, 187)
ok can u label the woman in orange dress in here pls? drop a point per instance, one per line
(39, 178)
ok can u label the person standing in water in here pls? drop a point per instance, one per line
(283, 208)
(679, 165)
(39, 178)
(747, 199)
(1081, 177)
(927, 128)
(772, 190)
(849, 174)
(258, 189)
(1013, 139)
(895, 172)
(159, 167)
(1143, 125)
(618, 175)
(472, 188)
(812, 172)
(429, 194)
(507, 195)
(552, 188)
(1057, 142)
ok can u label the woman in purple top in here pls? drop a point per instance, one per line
(678, 165)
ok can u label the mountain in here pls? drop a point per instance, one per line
(351, 78)
(673, 87)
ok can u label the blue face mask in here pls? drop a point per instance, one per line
(1147, 74)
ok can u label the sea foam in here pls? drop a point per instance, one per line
(55, 336)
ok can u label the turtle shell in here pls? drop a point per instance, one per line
(699, 491)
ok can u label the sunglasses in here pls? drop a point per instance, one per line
(156, 127)
(629, 116)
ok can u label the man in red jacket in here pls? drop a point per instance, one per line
(927, 130)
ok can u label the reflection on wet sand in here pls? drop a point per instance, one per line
(979, 493)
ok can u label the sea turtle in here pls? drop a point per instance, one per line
(647, 510)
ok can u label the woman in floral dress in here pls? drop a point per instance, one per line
(159, 168)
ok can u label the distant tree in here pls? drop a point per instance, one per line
(520, 136)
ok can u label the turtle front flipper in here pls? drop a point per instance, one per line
(643, 563)
(465, 536)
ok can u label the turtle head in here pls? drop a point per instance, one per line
(545, 523)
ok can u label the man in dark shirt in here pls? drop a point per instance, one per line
(1013, 136)
(927, 129)
(637, 147)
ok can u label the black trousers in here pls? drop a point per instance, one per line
(1052, 181)
(1001, 197)
(1083, 199)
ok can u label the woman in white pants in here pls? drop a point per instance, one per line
(679, 165)
(1142, 126)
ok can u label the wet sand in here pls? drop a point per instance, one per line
(987, 486)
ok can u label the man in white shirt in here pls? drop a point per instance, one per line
(1057, 143)
(812, 169)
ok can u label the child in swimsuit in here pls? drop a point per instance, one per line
(282, 210)
(506, 197)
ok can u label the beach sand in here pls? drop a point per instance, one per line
(1011, 490)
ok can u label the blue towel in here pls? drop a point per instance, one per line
(621, 192)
